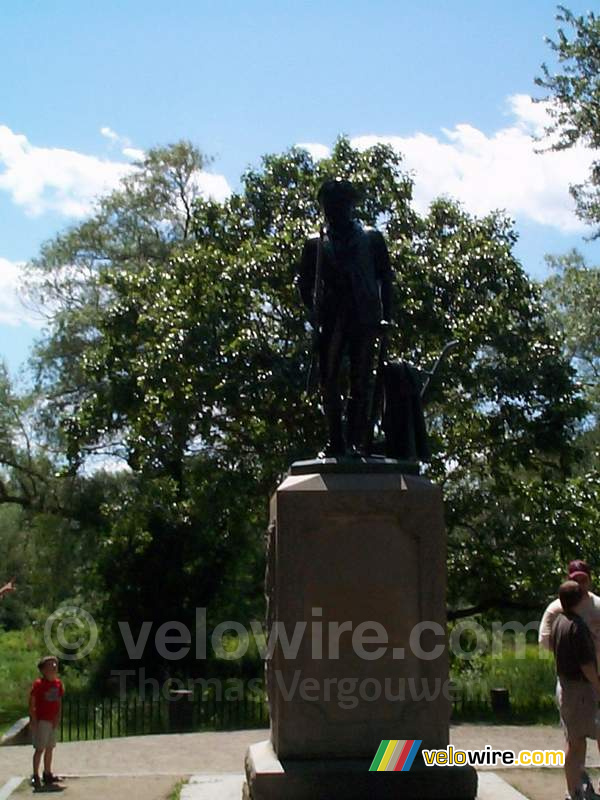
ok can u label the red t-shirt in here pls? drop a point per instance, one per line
(46, 696)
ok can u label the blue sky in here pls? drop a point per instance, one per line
(445, 82)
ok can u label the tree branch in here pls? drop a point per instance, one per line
(461, 613)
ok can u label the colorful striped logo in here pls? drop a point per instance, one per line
(395, 755)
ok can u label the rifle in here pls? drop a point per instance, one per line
(316, 316)
(431, 375)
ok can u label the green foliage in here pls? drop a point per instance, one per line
(52, 554)
(530, 679)
(574, 92)
(229, 369)
(194, 376)
(19, 653)
(572, 292)
(133, 228)
(176, 345)
(171, 549)
(23, 477)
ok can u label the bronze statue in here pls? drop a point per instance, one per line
(346, 283)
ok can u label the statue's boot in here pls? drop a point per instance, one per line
(357, 428)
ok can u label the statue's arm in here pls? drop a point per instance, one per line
(306, 272)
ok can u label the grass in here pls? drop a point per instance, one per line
(529, 677)
(175, 793)
(19, 653)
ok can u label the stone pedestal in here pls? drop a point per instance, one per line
(356, 592)
(271, 778)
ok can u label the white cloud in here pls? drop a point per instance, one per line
(316, 150)
(133, 152)
(123, 143)
(52, 179)
(12, 310)
(42, 179)
(486, 172)
(529, 116)
(213, 186)
(108, 133)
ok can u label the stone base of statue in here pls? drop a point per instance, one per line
(356, 594)
(271, 778)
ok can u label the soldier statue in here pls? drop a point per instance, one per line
(345, 281)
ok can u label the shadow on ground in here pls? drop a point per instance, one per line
(142, 788)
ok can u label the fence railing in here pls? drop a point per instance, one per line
(85, 717)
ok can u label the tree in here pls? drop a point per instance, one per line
(199, 362)
(574, 95)
(119, 348)
(135, 227)
(572, 292)
(49, 521)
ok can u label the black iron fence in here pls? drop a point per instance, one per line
(86, 717)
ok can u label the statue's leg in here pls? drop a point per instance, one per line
(331, 353)
(362, 355)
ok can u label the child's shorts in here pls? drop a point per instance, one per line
(44, 737)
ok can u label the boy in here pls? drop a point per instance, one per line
(44, 715)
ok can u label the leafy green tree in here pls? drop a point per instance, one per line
(125, 330)
(199, 362)
(49, 519)
(22, 480)
(135, 227)
(574, 92)
(572, 291)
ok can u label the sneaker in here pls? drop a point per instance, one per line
(36, 783)
(588, 792)
(48, 777)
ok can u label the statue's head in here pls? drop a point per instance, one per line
(337, 197)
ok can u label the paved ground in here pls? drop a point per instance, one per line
(134, 768)
(178, 754)
(143, 788)
(161, 760)
(541, 784)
